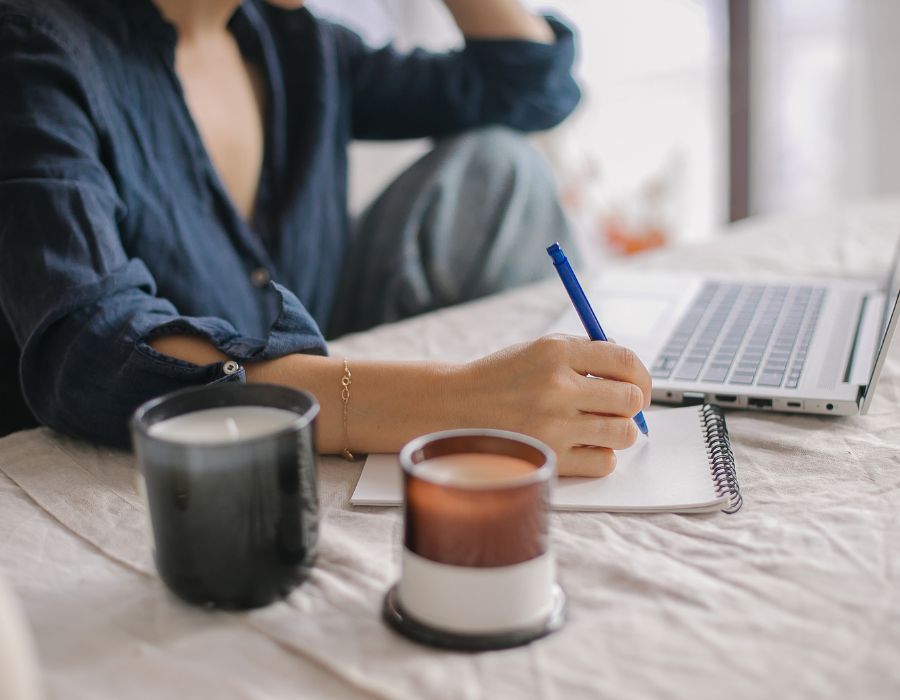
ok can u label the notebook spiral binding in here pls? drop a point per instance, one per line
(721, 458)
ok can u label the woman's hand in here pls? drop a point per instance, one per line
(541, 388)
(499, 19)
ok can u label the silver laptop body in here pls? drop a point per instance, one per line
(801, 345)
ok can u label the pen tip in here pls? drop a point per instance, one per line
(641, 423)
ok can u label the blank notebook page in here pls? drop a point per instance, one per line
(669, 472)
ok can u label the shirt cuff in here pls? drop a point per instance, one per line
(292, 331)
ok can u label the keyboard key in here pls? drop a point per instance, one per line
(663, 369)
(770, 379)
(742, 377)
(689, 371)
(715, 374)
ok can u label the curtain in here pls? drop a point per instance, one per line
(824, 105)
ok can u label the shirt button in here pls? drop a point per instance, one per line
(260, 277)
(230, 367)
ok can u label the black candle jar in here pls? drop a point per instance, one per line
(234, 520)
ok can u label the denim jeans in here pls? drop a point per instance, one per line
(470, 218)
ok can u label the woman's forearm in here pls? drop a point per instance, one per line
(498, 19)
(390, 402)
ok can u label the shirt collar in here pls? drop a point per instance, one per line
(147, 20)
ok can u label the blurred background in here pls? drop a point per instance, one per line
(695, 112)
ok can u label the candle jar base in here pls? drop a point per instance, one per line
(255, 588)
(401, 621)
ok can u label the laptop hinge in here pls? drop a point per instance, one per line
(865, 340)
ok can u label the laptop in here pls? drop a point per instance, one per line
(798, 345)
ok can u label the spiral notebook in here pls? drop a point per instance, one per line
(686, 466)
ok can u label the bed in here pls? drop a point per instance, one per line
(797, 595)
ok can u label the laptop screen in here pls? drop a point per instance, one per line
(888, 326)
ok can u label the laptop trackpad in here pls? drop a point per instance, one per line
(635, 311)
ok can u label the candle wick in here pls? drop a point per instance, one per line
(231, 427)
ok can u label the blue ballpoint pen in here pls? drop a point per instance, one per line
(583, 307)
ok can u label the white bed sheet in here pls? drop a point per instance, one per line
(798, 595)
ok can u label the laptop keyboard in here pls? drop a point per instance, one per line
(744, 334)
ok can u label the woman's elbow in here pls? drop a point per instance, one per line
(547, 110)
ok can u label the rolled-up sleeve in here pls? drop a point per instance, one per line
(524, 85)
(82, 310)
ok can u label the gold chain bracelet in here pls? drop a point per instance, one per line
(345, 400)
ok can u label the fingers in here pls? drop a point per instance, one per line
(603, 431)
(610, 361)
(609, 397)
(588, 444)
(587, 461)
(542, 388)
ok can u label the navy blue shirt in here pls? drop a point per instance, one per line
(114, 225)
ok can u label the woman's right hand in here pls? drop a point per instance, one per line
(542, 388)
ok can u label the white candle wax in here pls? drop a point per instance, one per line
(226, 424)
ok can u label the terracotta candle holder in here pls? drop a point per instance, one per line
(477, 568)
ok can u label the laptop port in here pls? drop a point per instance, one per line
(759, 403)
(692, 398)
(726, 398)
(795, 404)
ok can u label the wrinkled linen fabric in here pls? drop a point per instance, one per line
(796, 596)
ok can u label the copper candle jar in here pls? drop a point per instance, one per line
(477, 568)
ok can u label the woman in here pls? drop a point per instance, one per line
(173, 213)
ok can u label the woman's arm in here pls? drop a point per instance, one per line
(390, 402)
(514, 70)
(81, 307)
(498, 19)
(539, 388)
